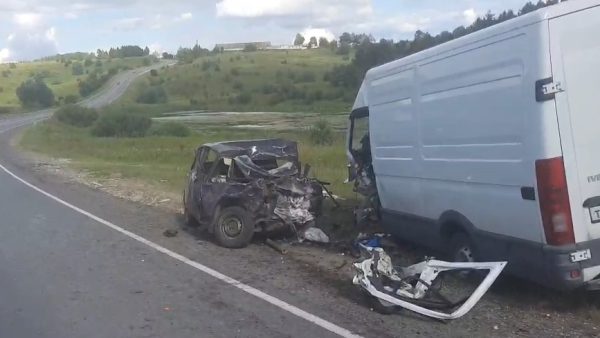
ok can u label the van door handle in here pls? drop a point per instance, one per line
(528, 193)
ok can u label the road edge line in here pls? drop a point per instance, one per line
(338, 330)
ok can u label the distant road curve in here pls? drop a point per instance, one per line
(109, 93)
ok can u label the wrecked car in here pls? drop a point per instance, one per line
(238, 188)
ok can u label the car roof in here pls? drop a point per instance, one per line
(279, 148)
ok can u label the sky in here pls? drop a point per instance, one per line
(35, 28)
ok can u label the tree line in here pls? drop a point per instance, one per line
(369, 54)
(123, 52)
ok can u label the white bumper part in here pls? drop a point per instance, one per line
(424, 273)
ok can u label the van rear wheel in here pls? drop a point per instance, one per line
(461, 248)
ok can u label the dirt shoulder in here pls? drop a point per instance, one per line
(317, 278)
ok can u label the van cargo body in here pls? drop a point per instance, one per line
(493, 140)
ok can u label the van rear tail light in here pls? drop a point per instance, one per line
(554, 201)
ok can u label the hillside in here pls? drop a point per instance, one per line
(58, 75)
(282, 81)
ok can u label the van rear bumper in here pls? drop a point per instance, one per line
(563, 273)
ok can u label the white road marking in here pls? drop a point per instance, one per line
(233, 282)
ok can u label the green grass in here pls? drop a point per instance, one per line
(58, 77)
(219, 82)
(164, 161)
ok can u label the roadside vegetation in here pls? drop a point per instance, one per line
(163, 157)
(61, 75)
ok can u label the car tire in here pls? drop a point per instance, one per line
(233, 228)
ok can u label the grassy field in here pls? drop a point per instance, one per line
(273, 81)
(56, 75)
(215, 83)
(164, 161)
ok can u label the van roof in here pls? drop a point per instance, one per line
(504, 27)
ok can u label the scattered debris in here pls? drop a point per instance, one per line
(413, 287)
(165, 200)
(170, 233)
(315, 235)
(276, 246)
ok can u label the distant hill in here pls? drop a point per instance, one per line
(285, 81)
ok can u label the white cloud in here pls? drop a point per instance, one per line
(27, 20)
(470, 16)
(128, 24)
(253, 9)
(186, 16)
(297, 13)
(4, 55)
(317, 33)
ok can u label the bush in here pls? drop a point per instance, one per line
(71, 99)
(154, 72)
(77, 116)
(321, 133)
(35, 92)
(152, 95)
(237, 85)
(243, 98)
(77, 69)
(170, 129)
(119, 124)
(235, 72)
(307, 77)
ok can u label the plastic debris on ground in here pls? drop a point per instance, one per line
(416, 287)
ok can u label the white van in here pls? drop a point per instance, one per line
(488, 146)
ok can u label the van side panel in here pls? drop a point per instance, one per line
(461, 131)
(473, 125)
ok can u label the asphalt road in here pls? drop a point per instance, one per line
(63, 274)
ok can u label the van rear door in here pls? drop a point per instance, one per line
(575, 53)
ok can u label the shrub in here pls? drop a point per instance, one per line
(77, 69)
(235, 72)
(88, 62)
(120, 124)
(170, 129)
(154, 72)
(321, 133)
(307, 76)
(152, 95)
(71, 99)
(77, 116)
(237, 85)
(268, 89)
(243, 98)
(35, 92)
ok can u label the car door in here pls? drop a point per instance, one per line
(198, 176)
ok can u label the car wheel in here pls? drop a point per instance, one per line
(233, 228)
